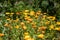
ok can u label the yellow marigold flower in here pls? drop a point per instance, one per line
(22, 23)
(30, 20)
(17, 26)
(33, 23)
(27, 17)
(17, 19)
(48, 22)
(45, 13)
(7, 13)
(32, 13)
(44, 16)
(38, 30)
(36, 16)
(39, 11)
(26, 11)
(40, 36)
(58, 29)
(58, 23)
(52, 17)
(34, 26)
(24, 27)
(27, 37)
(25, 14)
(12, 13)
(32, 38)
(49, 17)
(1, 34)
(42, 28)
(43, 32)
(6, 24)
(8, 19)
(17, 13)
(26, 33)
(52, 27)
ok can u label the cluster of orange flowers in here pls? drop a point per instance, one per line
(36, 22)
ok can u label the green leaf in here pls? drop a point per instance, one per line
(45, 3)
(1, 38)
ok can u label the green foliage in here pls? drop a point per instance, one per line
(19, 6)
(1, 38)
(52, 7)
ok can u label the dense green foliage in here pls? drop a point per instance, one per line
(52, 7)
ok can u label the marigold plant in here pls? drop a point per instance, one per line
(29, 25)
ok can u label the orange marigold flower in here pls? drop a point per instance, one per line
(17, 13)
(30, 20)
(42, 28)
(1, 34)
